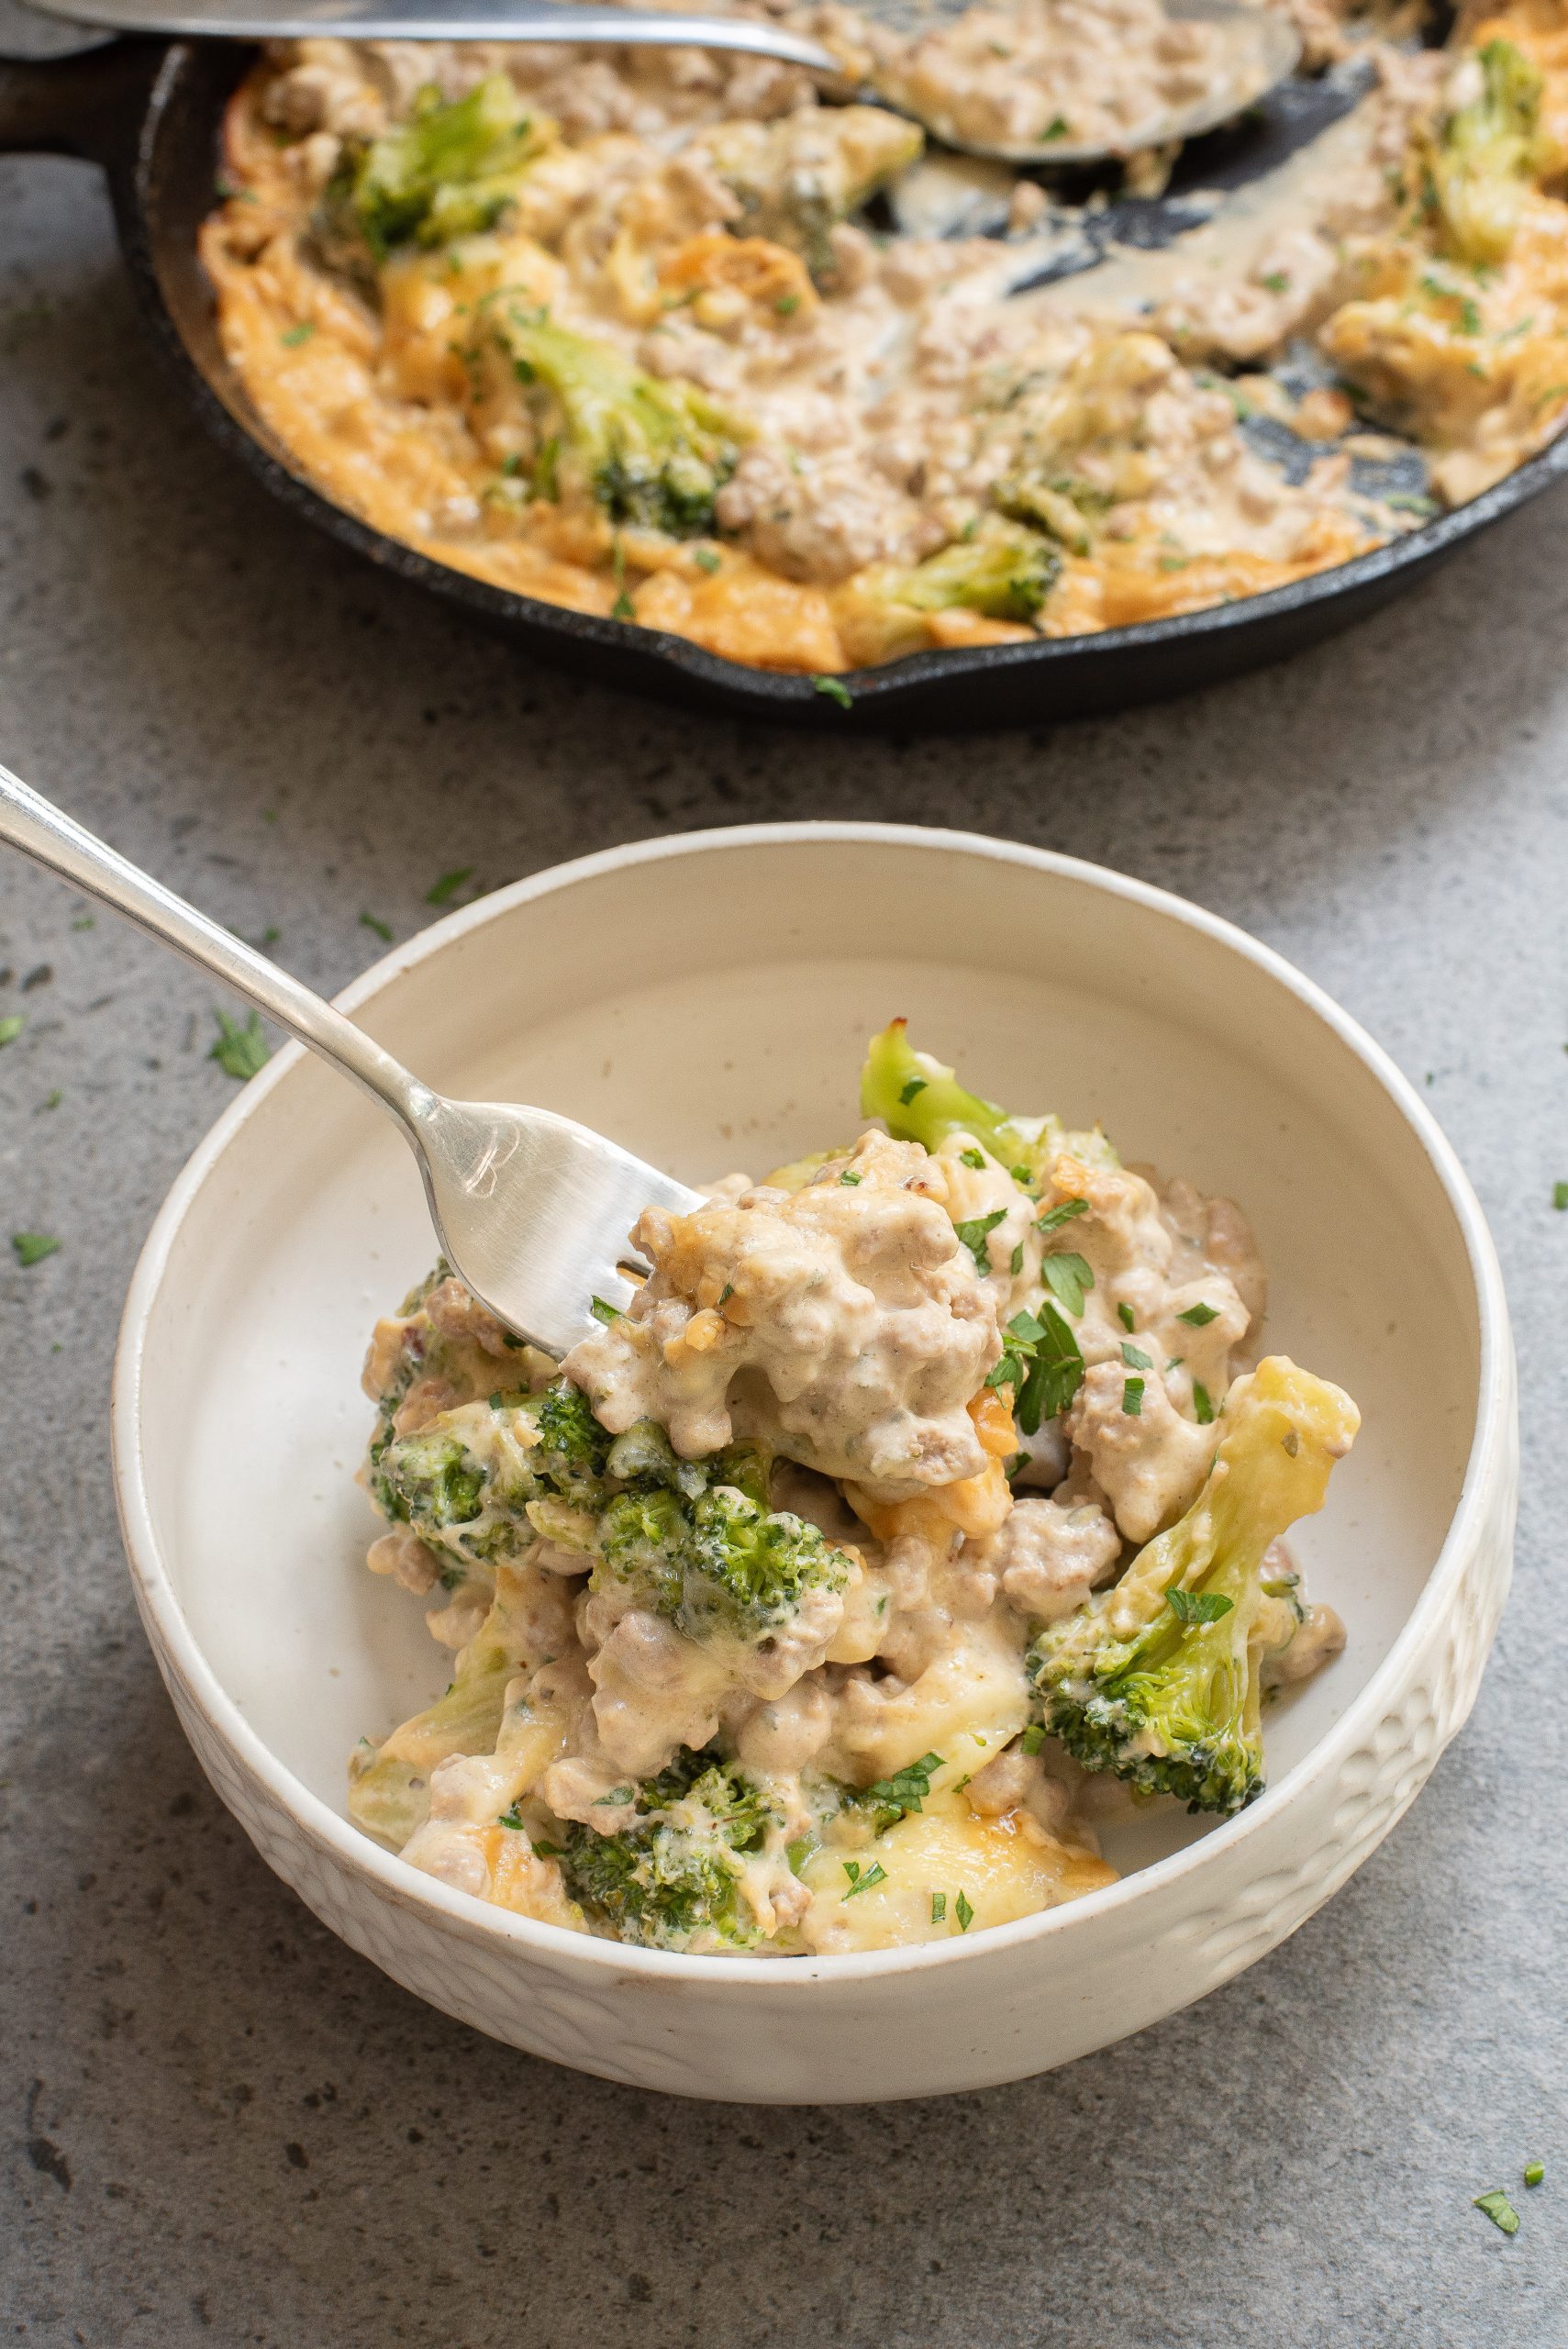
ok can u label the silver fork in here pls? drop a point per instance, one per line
(531, 1210)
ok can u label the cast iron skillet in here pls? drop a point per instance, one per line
(150, 115)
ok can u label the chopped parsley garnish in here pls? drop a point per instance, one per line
(727, 1292)
(295, 335)
(1203, 1409)
(1069, 1279)
(11, 1028)
(1499, 2209)
(617, 1794)
(1053, 1218)
(1126, 1316)
(240, 1052)
(1559, 1190)
(1277, 282)
(1468, 318)
(833, 689)
(973, 1236)
(443, 891)
(707, 559)
(52, 1100)
(1021, 1174)
(1055, 130)
(908, 1092)
(374, 921)
(1198, 1317)
(861, 1879)
(1534, 2173)
(1016, 1261)
(513, 1819)
(1132, 1397)
(546, 1851)
(623, 607)
(1043, 1365)
(1135, 1358)
(1199, 1606)
(786, 306)
(975, 1158)
(850, 1177)
(83, 922)
(963, 1913)
(608, 1313)
(905, 1791)
(32, 1247)
(938, 1906)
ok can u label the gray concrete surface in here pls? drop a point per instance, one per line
(220, 2125)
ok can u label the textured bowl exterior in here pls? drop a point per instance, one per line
(957, 2015)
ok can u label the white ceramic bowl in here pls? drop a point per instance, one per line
(706, 1001)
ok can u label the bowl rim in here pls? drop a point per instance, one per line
(180, 1655)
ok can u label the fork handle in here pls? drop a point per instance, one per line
(52, 838)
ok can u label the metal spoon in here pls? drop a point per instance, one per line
(531, 1210)
(1268, 49)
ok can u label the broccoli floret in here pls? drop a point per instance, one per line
(919, 1100)
(1157, 1679)
(1485, 154)
(651, 452)
(475, 1482)
(721, 1566)
(794, 179)
(670, 1879)
(1004, 573)
(450, 170)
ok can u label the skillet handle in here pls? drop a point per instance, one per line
(89, 104)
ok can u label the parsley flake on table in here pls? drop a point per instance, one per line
(1534, 2173)
(1559, 1190)
(240, 1052)
(861, 1879)
(32, 1247)
(1199, 1606)
(443, 891)
(1499, 2209)
(12, 1027)
(374, 921)
(1069, 1278)
(833, 689)
(1198, 1317)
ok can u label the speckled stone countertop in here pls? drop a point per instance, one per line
(222, 2127)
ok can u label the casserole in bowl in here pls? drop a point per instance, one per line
(699, 998)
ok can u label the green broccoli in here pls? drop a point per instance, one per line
(794, 179)
(450, 171)
(651, 452)
(484, 1480)
(1157, 1678)
(919, 1100)
(1005, 574)
(719, 1566)
(1485, 156)
(423, 1351)
(670, 1879)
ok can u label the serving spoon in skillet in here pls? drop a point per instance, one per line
(531, 1208)
(1266, 49)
